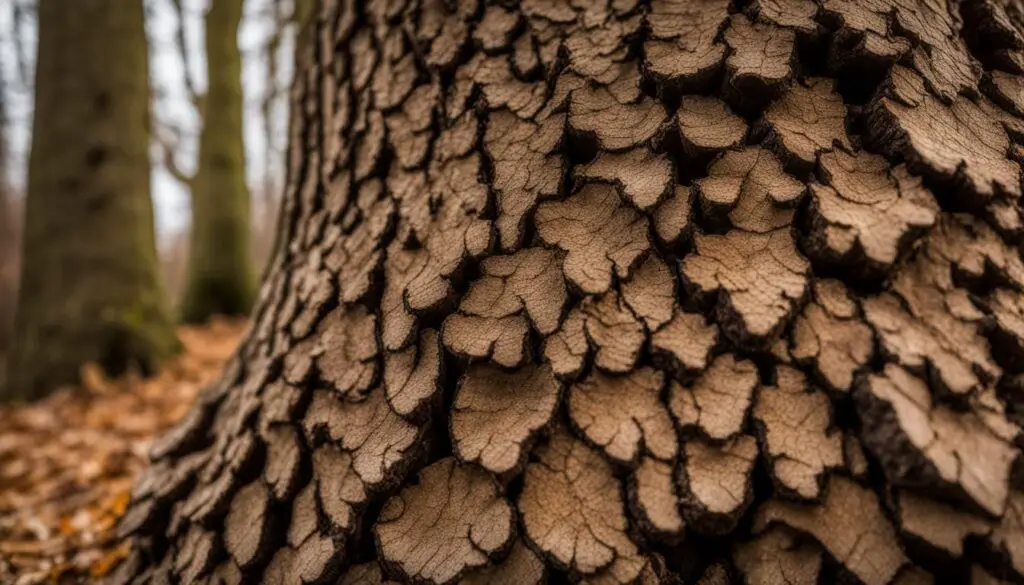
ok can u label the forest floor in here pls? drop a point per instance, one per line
(67, 463)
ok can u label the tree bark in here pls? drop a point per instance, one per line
(660, 292)
(89, 289)
(220, 276)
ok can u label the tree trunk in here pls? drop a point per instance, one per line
(302, 10)
(7, 239)
(654, 293)
(90, 289)
(220, 276)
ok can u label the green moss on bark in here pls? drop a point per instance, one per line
(8, 243)
(90, 288)
(220, 278)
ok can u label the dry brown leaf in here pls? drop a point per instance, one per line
(68, 462)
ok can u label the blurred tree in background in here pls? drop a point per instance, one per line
(224, 120)
(264, 40)
(220, 276)
(13, 76)
(7, 245)
(90, 288)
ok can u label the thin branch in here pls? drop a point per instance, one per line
(168, 149)
(273, 94)
(273, 44)
(171, 164)
(4, 161)
(20, 19)
(181, 42)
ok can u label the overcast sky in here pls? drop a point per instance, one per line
(171, 199)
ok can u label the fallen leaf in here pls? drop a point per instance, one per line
(68, 462)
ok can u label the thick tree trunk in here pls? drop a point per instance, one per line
(220, 276)
(662, 292)
(90, 287)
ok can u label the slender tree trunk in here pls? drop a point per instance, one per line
(7, 243)
(90, 289)
(615, 293)
(220, 277)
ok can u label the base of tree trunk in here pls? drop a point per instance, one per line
(205, 298)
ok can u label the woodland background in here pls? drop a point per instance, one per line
(266, 39)
(67, 462)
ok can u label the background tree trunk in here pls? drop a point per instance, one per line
(220, 277)
(303, 9)
(89, 278)
(7, 243)
(625, 293)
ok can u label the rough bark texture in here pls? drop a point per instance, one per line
(220, 273)
(89, 288)
(700, 292)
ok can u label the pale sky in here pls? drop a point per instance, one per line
(171, 199)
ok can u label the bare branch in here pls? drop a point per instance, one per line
(4, 162)
(22, 13)
(169, 146)
(171, 164)
(179, 33)
(273, 93)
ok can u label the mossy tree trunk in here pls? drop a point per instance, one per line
(220, 274)
(626, 293)
(303, 10)
(90, 287)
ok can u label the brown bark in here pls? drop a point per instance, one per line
(662, 292)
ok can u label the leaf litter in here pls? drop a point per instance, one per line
(68, 462)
